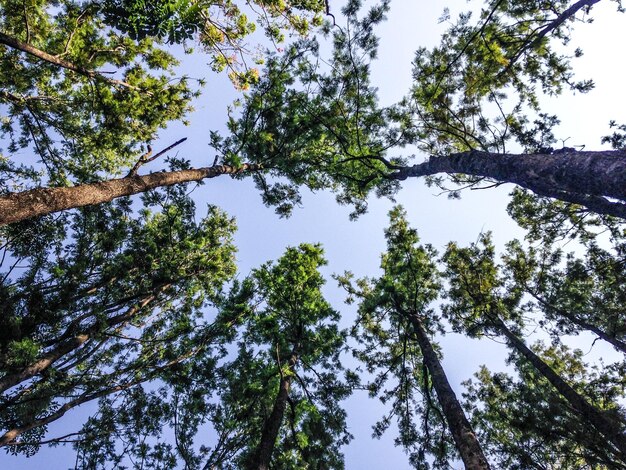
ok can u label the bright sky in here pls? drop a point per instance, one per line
(356, 246)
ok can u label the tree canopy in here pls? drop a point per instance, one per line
(122, 296)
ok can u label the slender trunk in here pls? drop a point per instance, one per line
(42, 364)
(8, 438)
(608, 427)
(585, 178)
(462, 432)
(272, 425)
(15, 207)
(616, 343)
(557, 22)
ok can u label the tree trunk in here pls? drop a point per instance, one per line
(585, 178)
(462, 432)
(272, 425)
(15, 207)
(608, 427)
(616, 343)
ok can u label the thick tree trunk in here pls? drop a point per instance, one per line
(273, 423)
(586, 178)
(610, 429)
(15, 207)
(462, 432)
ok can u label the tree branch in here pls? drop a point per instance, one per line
(24, 47)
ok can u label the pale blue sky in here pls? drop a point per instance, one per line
(356, 246)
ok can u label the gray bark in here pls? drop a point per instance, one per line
(585, 178)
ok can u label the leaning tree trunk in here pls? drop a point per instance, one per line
(616, 343)
(272, 425)
(462, 432)
(609, 428)
(15, 207)
(603, 335)
(585, 178)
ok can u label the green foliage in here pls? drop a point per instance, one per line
(507, 56)
(317, 126)
(618, 138)
(113, 306)
(80, 125)
(552, 221)
(387, 346)
(479, 295)
(525, 425)
(102, 84)
(127, 308)
(574, 292)
(290, 335)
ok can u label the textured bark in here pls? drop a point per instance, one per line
(611, 430)
(273, 423)
(462, 432)
(15, 207)
(585, 178)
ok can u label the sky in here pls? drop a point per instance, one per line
(356, 246)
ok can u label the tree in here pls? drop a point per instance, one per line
(585, 294)
(84, 123)
(395, 326)
(322, 127)
(526, 425)
(327, 130)
(279, 399)
(112, 308)
(481, 302)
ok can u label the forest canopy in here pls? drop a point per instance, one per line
(125, 305)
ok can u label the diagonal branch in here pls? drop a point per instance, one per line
(24, 47)
(15, 207)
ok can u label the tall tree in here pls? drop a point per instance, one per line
(482, 301)
(280, 401)
(87, 85)
(526, 425)
(327, 130)
(394, 316)
(113, 304)
(322, 127)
